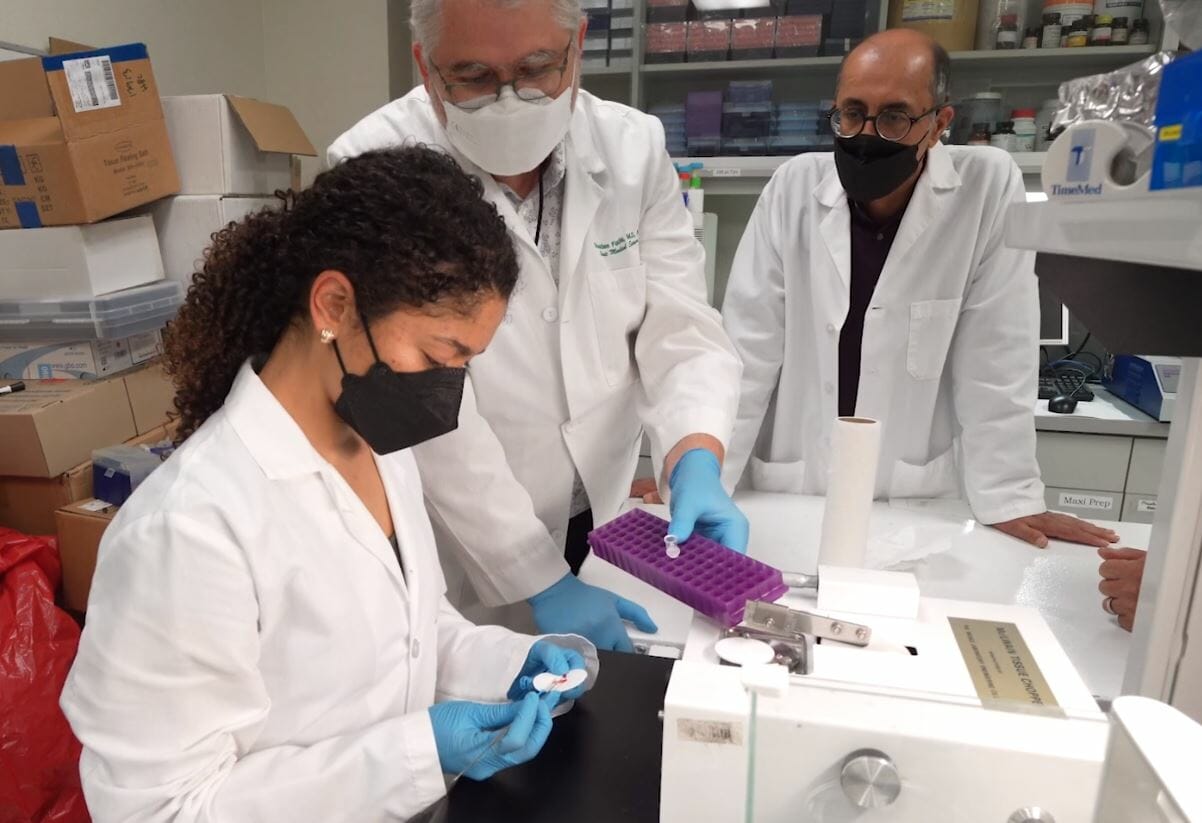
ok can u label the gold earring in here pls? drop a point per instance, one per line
(327, 336)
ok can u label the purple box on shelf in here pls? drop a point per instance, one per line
(708, 576)
(703, 114)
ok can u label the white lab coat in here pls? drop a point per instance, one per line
(575, 372)
(252, 650)
(950, 347)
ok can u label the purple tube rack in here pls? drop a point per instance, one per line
(708, 576)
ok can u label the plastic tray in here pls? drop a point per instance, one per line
(708, 576)
(120, 314)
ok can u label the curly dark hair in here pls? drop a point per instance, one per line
(406, 226)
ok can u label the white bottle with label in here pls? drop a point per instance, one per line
(1024, 129)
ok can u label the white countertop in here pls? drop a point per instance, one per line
(1105, 414)
(970, 562)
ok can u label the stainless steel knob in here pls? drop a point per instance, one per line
(1031, 814)
(870, 779)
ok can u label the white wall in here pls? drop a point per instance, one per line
(196, 46)
(328, 62)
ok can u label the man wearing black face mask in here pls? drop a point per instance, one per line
(876, 282)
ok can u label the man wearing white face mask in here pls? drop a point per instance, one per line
(608, 333)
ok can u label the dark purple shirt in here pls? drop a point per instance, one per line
(870, 244)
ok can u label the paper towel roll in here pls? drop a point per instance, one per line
(855, 453)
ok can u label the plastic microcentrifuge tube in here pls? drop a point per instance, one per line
(670, 546)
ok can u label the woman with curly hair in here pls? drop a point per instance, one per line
(267, 636)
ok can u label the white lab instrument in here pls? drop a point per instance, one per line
(895, 731)
(1096, 158)
(855, 455)
(948, 336)
(618, 339)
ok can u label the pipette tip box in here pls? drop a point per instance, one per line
(711, 578)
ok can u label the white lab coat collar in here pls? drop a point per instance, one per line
(272, 437)
(940, 175)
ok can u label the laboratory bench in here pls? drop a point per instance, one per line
(952, 556)
(1102, 461)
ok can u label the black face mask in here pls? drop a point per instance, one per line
(871, 167)
(394, 410)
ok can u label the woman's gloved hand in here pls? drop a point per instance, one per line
(574, 607)
(700, 503)
(477, 740)
(545, 656)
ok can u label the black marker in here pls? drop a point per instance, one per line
(12, 388)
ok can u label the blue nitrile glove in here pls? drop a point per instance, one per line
(545, 656)
(700, 503)
(573, 607)
(478, 740)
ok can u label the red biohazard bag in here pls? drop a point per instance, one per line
(39, 756)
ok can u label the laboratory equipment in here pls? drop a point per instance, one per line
(711, 578)
(912, 724)
(1147, 382)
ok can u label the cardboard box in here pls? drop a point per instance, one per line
(151, 397)
(233, 145)
(85, 360)
(82, 137)
(28, 504)
(80, 527)
(54, 425)
(186, 225)
(68, 262)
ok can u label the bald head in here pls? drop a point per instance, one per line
(904, 56)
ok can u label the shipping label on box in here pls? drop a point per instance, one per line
(82, 137)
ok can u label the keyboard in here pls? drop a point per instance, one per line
(1065, 383)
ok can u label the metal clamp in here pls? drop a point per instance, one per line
(794, 623)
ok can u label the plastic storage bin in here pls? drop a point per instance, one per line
(746, 120)
(753, 39)
(704, 146)
(745, 146)
(666, 42)
(120, 314)
(703, 114)
(709, 40)
(749, 91)
(798, 35)
(667, 11)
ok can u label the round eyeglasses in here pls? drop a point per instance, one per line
(892, 124)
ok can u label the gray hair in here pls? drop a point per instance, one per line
(425, 17)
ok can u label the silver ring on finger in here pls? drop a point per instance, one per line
(1108, 606)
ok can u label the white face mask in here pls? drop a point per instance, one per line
(510, 136)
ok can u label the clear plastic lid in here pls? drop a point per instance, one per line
(110, 316)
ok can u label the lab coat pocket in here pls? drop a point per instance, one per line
(932, 323)
(619, 298)
(936, 478)
(785, 478)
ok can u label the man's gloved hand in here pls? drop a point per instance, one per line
(478, 740)
(573, 607)
(700, 503)
(545, 656)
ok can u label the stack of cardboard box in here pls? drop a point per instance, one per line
(82, 139)
(233, 155)
(88, 152)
